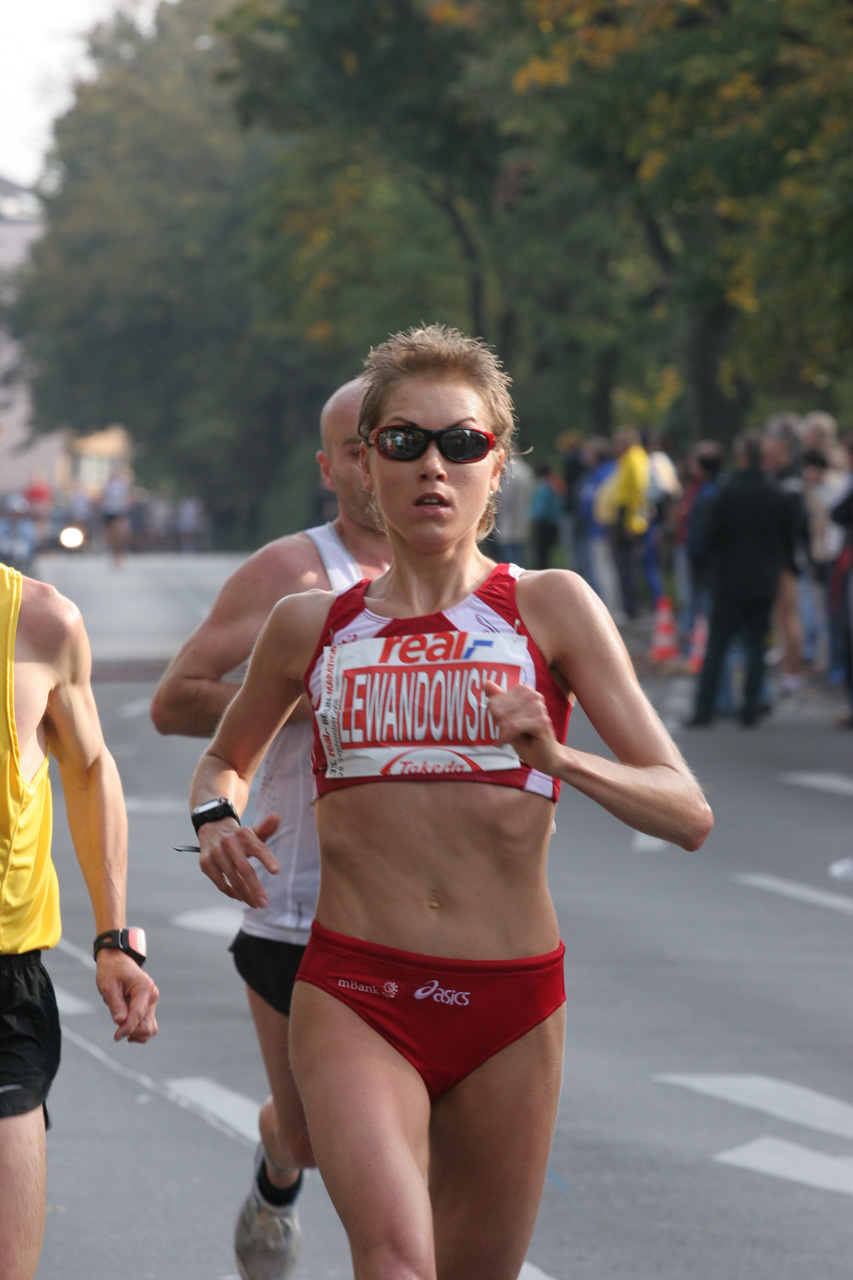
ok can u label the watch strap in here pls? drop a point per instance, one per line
(213, 811)
(131, 941)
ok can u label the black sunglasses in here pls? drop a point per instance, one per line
(456, 444)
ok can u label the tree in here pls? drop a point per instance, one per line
(644, 207)
(554, 280)
(206, 285)
(727, 125)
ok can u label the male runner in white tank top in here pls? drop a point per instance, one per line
(190, 699)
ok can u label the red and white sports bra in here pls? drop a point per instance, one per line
(403, 697)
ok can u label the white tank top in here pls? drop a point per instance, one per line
(402, 697)
(287, 788)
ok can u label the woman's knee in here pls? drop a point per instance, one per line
(382, 1257)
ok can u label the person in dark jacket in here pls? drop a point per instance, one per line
(707, 463)
(750, 540)
(781, 461)
(841, 584)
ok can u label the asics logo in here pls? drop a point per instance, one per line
(441, 995)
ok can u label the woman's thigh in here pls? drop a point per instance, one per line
(368, 1117)
(490, 1141)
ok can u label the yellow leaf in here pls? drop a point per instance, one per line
(319, 331)
(742, 86)
(445, 13)
(540, 73)
(651, 165)
(741, 292)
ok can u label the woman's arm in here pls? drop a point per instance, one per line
(648, 785)
(272, 688)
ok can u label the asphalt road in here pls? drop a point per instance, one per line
(706, 1123)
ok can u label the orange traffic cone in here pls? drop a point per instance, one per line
(698, 644)
(664, 641)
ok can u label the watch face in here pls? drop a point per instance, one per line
(207, 806)
(136, 941)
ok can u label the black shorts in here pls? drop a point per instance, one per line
(29, 1034)
(268, 967)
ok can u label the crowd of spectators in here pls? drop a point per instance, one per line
(752, 547)
(120, 518)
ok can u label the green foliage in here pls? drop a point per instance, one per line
(644, 207)
(206, 285)
(556, 275)
(138, 305)
(727, 126)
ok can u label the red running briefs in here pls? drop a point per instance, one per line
(446, 1017)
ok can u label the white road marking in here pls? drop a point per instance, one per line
(151, 804)
(837, 783)
(223, 921)
(795, 1104)
(778, 1098)
(842, 869)
(641, 843)
(131, 710)
(76, 953)
(794, 1163)
(154, 1086)
(800, 892)
(70, 1005)
(211, 1099)
(230, 1113)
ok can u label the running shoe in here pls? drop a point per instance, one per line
(267, 1241)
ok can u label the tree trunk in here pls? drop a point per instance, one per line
(446, 200)
(714, 414)
(507, 337)
(601, 400)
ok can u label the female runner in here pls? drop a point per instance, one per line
(427, 1023)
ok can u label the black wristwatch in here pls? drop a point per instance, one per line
(130, 941)
(213, 811)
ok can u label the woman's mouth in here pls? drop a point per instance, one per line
(434, 500)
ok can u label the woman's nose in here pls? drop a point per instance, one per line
(432, 462)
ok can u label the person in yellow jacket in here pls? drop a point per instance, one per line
(47, 708)
(630, 499)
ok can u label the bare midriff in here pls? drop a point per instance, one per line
(454, 869)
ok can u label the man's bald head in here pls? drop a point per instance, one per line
(340, 456)
(339, 415)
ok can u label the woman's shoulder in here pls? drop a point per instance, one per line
(557, 585)
(297, 622)
(302, 611)
(560, 609)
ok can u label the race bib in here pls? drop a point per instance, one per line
(398, 706)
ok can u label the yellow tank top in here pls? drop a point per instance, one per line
(29, 893)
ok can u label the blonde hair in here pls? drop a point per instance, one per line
(436, 351)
